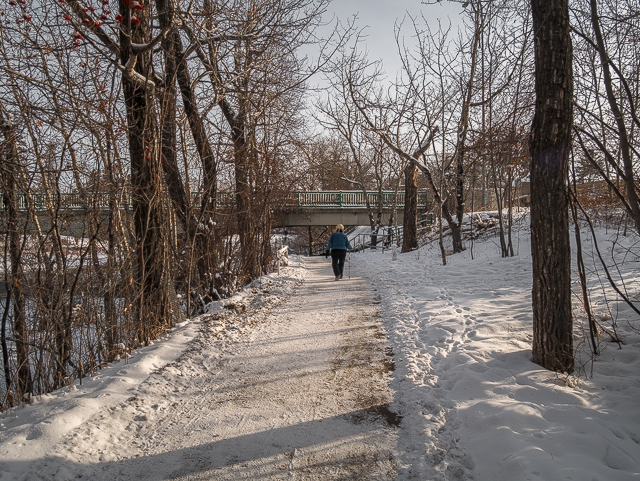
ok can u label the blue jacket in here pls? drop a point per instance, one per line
(338, 241)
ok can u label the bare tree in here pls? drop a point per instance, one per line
(608, 97)
(10, 168)
(438, 91)
(550, 148)
(373, 164)
(252, 70)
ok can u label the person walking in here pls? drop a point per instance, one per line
(338, 245)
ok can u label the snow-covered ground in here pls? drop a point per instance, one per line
(473, 405)
(34, 439)
(266, 385)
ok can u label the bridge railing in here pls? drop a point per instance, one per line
(96, 200)
(67, 201)
(298, 199)
(352, 198)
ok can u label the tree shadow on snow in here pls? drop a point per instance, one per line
(354, 445)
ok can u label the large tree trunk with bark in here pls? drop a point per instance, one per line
(410, 219)
(200, 229)
(153, 271)
(550, 148)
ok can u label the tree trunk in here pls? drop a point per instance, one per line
(410, 218)
(497, 189)
(463, 129)
(168, 130)
(550, 147)
(200, 231)
(152, 309)
(23, 384)
(241, 137)
(510, 213)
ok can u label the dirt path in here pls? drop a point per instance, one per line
(302, 394)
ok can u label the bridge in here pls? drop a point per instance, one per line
(300, 208)
(347, 207)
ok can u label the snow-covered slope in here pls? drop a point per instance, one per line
(475, 405)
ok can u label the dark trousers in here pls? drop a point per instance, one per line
(337, 261)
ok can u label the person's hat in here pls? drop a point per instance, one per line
(339, 227)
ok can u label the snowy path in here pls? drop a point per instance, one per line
(296, 392)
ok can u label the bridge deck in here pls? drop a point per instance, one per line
(348, 207)
(345, 207)
(346, 199)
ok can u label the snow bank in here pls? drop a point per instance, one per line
(35, 440)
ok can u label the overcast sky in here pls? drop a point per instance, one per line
(378, 17)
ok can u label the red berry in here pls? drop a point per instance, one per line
(77, 35)
(67, 18)
(103, 17)
(119, 18)
(85, 10)
(86, 21)
(137, 6)
(107, 12)
(12, 3)
(135, 19)
(97, 25)
(27, 17)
